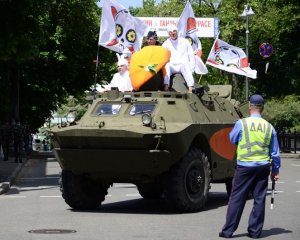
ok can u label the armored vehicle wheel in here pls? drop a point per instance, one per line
(187, 184)
(81, 193)
(150, 190)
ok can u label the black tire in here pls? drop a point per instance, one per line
(81, 193)
(187, 184)
(150, 190)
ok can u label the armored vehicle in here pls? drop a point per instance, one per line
(169, 144)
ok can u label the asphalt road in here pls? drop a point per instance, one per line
(34, 209)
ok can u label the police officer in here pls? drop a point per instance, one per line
(257, 145)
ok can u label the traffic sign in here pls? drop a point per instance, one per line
(265, 50)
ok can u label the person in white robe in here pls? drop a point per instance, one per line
(121, 79)
(182, 58)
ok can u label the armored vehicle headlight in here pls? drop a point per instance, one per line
(146, 119)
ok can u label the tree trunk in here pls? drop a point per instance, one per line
(13, 91)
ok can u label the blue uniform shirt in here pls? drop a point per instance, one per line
(236, 136)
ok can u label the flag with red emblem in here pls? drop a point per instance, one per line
(120, 30)
(187, 28)
(230, 58)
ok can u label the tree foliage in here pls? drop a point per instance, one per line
(46, 52)
(286, 114)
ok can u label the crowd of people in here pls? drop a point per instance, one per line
(16, 135)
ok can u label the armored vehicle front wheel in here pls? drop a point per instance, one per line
(150, 190)
(187, 184)
(80, 192)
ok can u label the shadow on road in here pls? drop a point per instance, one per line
(267, 233)
(156, 206)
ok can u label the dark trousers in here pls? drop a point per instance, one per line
(246, 180)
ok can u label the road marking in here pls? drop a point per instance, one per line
(277, 182)
(50, 196)
(297, 181)
(269, 191)
(12, 196)
(59, 196)
(295, 165)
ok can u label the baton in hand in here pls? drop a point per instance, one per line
(273, 193)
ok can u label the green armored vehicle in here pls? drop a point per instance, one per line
(169, 144)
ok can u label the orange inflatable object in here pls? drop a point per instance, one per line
(145, 63)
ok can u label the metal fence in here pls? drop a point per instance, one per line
(289, 142)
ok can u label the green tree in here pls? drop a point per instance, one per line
(46, 52)
(286, 114)
(281, 31)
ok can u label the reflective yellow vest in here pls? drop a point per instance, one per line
(255, 142)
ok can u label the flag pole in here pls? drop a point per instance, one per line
(200, 79)
(96, 73)
(213, 46)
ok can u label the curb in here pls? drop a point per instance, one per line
(5, 186)
(290, 155)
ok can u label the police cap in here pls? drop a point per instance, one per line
(257, 100)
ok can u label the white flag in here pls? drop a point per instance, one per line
(230, 58)
(120, 30)
(187, 28)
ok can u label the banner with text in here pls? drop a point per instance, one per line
(207, 27)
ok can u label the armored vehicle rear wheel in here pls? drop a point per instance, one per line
(150, 190)
(187, 184)
(80, 192)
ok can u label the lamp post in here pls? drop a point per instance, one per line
(248, 12)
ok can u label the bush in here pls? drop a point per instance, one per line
(284, 114)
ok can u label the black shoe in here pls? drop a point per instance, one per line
(251, 236)
(222, 235)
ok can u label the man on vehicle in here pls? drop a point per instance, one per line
(182, 58)
(257, 146)
(121, 79)
(152, 39)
